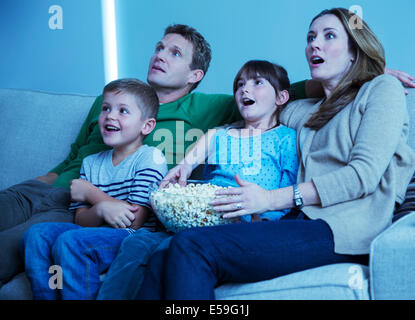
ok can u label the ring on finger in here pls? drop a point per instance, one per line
(239, 206)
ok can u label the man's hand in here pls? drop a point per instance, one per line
(79, 189)
(48, 178)
(118, 214)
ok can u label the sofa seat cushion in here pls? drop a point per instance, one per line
(343, 281)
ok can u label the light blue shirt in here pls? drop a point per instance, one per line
(268, 159)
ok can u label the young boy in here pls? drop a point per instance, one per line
(111, 198)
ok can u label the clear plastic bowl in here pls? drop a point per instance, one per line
(178, 211)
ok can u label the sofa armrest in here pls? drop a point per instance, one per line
(392, 261)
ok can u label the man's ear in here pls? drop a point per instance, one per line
(195, 76)
(148, 126)
(282, 97)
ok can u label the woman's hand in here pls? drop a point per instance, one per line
(406, 79)
(179, 174)
(248, 199)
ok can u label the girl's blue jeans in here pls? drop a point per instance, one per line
(64, 260)
(200, 259)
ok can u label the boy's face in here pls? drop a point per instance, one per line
(169, 66)
(120, 120)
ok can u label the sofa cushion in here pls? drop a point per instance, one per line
(18, 288)
(342, 281)
(38, 131)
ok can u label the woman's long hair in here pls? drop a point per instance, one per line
(369, 62)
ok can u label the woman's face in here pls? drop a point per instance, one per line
(328, 54)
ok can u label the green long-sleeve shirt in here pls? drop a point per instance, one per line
(179, 124)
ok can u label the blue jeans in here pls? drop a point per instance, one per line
(200, 259)
(124, 277)
(78, 256)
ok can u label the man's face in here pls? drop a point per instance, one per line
(170, 64)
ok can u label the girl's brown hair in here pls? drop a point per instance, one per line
(369, 62)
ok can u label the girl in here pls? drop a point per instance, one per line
(257, 149)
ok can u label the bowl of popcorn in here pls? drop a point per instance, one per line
(181, 207)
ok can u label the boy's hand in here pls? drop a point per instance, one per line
(118, 214)
(179, 174)
(79, 189)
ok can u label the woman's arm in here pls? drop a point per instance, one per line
(313, 89)
(253, 199)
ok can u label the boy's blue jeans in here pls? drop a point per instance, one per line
(125, 276)
(78, 256)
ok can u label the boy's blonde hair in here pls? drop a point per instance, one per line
(144, 94)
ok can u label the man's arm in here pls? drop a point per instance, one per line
(313, 89)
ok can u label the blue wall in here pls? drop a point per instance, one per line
(71, 60)
(33, 56)
(239, 30)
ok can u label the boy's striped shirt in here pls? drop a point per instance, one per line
(129, 180)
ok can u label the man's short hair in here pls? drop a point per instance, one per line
(144, 94)
(201, 48)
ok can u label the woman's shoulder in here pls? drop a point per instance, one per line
(382, 91)
(383, 84)
(296, 112)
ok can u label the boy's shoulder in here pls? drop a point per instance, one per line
(150, 157)
(97, 156)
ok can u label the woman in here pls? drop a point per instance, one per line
(354, 166)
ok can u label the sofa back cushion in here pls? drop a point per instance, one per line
(38, 129)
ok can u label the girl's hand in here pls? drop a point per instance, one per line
(250, 198)
(179, 174)
(79, 189)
